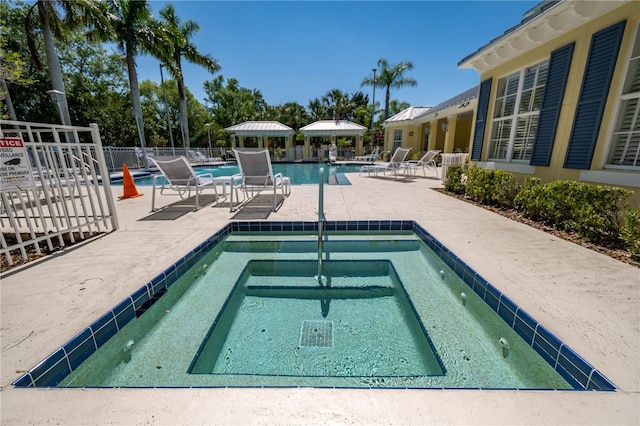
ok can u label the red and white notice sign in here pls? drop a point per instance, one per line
(15, 167)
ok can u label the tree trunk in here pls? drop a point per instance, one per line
(7, 99)
(184, 119)
(55, 72)
(135, 97)
(386, 102)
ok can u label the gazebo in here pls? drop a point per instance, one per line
(262, 130)
(333, 129)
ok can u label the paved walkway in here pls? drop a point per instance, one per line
(588, 300)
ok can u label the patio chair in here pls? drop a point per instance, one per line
(200, 158)
(428, 160)
(396, 165)
(180, 177)
(372, 156)
(257, 174)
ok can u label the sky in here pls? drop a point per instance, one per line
(296, 51)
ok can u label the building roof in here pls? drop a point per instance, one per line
(461, 98)
(261, 128)
(415, 113)
(408, 114)
(333, 128)
(544, 22)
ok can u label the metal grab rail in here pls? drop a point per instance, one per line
(320, 222)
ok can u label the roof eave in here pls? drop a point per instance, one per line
(532, 32)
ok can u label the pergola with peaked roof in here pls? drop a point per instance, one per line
(261, 130)
(333, 129)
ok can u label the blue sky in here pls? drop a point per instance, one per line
(299, 50)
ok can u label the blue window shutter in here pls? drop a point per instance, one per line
(598, 73)
(551, 103)
(481, 119)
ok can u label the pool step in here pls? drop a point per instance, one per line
(311, 246)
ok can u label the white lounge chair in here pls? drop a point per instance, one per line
(181, 177)
(428, 160)
(257, 174)
(200, 158)
(372, 156)
(396, 165)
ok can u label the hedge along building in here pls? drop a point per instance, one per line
(446, 126)
(559, 95)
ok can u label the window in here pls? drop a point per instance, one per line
(397, 138)
(516, 112)
(625, 148)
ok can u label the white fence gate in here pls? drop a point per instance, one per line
(54, 188)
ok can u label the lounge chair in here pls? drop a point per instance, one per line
(200, 158)
(257, 174)
(396, 165)
(371, 157)
(181, 177)
(428, 160)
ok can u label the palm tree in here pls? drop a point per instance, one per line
(75, 14)
(391, 77)
(179, 44)
(133, 29)
(396, 106)
(293, 115)
(337, 101)
(317, 110)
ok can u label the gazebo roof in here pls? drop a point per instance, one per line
(333, 128)
(261, 128)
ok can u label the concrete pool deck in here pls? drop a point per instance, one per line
(590, 301)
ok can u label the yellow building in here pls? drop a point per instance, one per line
(446, 126)
(559, 95)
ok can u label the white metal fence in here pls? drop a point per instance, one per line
(135, 158)
(54, 189)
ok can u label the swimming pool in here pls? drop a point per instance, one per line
(300, 173)
(117, 347)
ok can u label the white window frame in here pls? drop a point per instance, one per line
(529, 116)
(623, 99)
(397, 138)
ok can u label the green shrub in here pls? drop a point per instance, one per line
(495, 187)
(505, 188)
(592, 211)
(630, 232)
(600, 212)
(530, 199)
(455, 179)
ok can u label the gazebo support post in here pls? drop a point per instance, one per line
(307, 149)
(359, 145)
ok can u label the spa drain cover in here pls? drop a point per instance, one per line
(316, 334)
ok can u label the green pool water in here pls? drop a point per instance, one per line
(386, 312)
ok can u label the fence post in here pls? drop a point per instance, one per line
(104, 173)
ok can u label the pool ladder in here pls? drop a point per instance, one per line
(321, 220)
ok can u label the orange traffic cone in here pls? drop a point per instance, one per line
(130, 190)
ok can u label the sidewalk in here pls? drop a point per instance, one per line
(588, 300)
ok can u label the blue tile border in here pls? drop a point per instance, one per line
(563, 359)
(51, 371)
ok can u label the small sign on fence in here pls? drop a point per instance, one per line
(15, 167)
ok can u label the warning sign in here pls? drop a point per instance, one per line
(15, 167)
